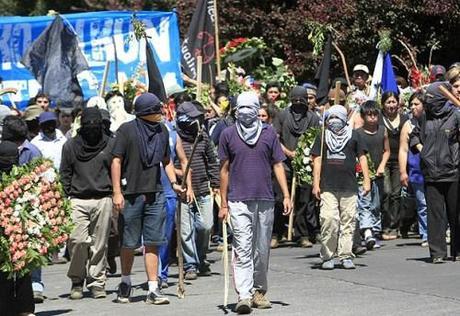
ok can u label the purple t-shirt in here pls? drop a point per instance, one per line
(250, 174)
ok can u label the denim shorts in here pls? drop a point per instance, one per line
(144, 216)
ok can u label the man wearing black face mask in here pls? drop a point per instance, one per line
(85, 176)
(290, 124)
(197, 216)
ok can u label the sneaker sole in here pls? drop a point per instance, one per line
(99, 296)
(261, 306)
(122, 300)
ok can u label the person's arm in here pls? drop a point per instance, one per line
(280, 175)
(224, 172)
(316, 177)
(365, 169)
(402, 154)
(65, 169)
(386, 155)
(289, 153)
(212, 164)
(180, 152)
(117, 196)
(169, 169)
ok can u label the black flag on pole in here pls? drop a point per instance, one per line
(322, 73)
(156, 85)
(55, 60)
(200, 40)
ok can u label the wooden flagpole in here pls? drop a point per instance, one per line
(291, 215)
(216, 30)
(199, 77)
(344, 63)
(104, 78)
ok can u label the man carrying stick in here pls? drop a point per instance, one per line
(248, 151)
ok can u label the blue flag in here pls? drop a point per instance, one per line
(388, 76)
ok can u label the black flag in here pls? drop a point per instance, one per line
(55, 60)
(200, 40)
(322, 73)
(156, 85)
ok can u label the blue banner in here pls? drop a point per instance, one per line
(99, 34)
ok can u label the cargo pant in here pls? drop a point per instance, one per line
(338, 222)
(88, 241)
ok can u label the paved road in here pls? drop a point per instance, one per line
(394, 280)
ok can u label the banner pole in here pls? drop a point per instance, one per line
(199, 77)
(216, 30)
(116, 60)
(104, 78)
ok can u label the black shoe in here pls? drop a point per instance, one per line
(359, 250)
(205, 270)
(124, 292)
(112, 265)
(38, 297)
(437, 260)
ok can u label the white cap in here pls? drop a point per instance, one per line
(361, 67)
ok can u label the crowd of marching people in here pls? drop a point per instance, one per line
(124, 169)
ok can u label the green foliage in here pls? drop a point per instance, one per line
(302, 162)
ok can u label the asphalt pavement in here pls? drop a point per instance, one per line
(397, 279)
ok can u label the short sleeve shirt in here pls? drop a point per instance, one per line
(135, 177)
(338, 170)
(250, 176)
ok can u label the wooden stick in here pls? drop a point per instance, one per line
(225, 260)
(337, 93)
(412, 57)
(199, 77)
(116, 60)
(104, 78)
(344, 63)
(291, 215)
(216, 30)
(449, 95)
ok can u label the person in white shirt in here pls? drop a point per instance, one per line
(49, 140)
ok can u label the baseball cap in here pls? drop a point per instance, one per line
(147, 103)
(189, 109)
(47, 117)
(437, 70)
(32, 112)
(361, 67)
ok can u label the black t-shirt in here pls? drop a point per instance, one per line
(135, 178)
(374, 143)
(338, 171)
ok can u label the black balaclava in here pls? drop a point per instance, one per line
(299, 100)
(91, 129)
(9, 156)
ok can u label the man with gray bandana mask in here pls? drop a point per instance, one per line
(249, 151)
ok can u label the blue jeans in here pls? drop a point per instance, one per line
(196, 224)
(144, 217)
(170, 205)
(369, 209)
(419, 190)
(37, 283)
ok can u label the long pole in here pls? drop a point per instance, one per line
(199, 77)
(104, 78)
(116, 59)
(216, 30)
(291, 215)
(344, 63)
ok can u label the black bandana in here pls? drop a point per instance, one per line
(151, 142)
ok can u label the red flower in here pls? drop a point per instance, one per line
(358, 168)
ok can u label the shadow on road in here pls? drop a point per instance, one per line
(54, 312)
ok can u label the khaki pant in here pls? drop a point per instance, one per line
(88, 241)
(338, 220)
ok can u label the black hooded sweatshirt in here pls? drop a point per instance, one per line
(439, 133)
